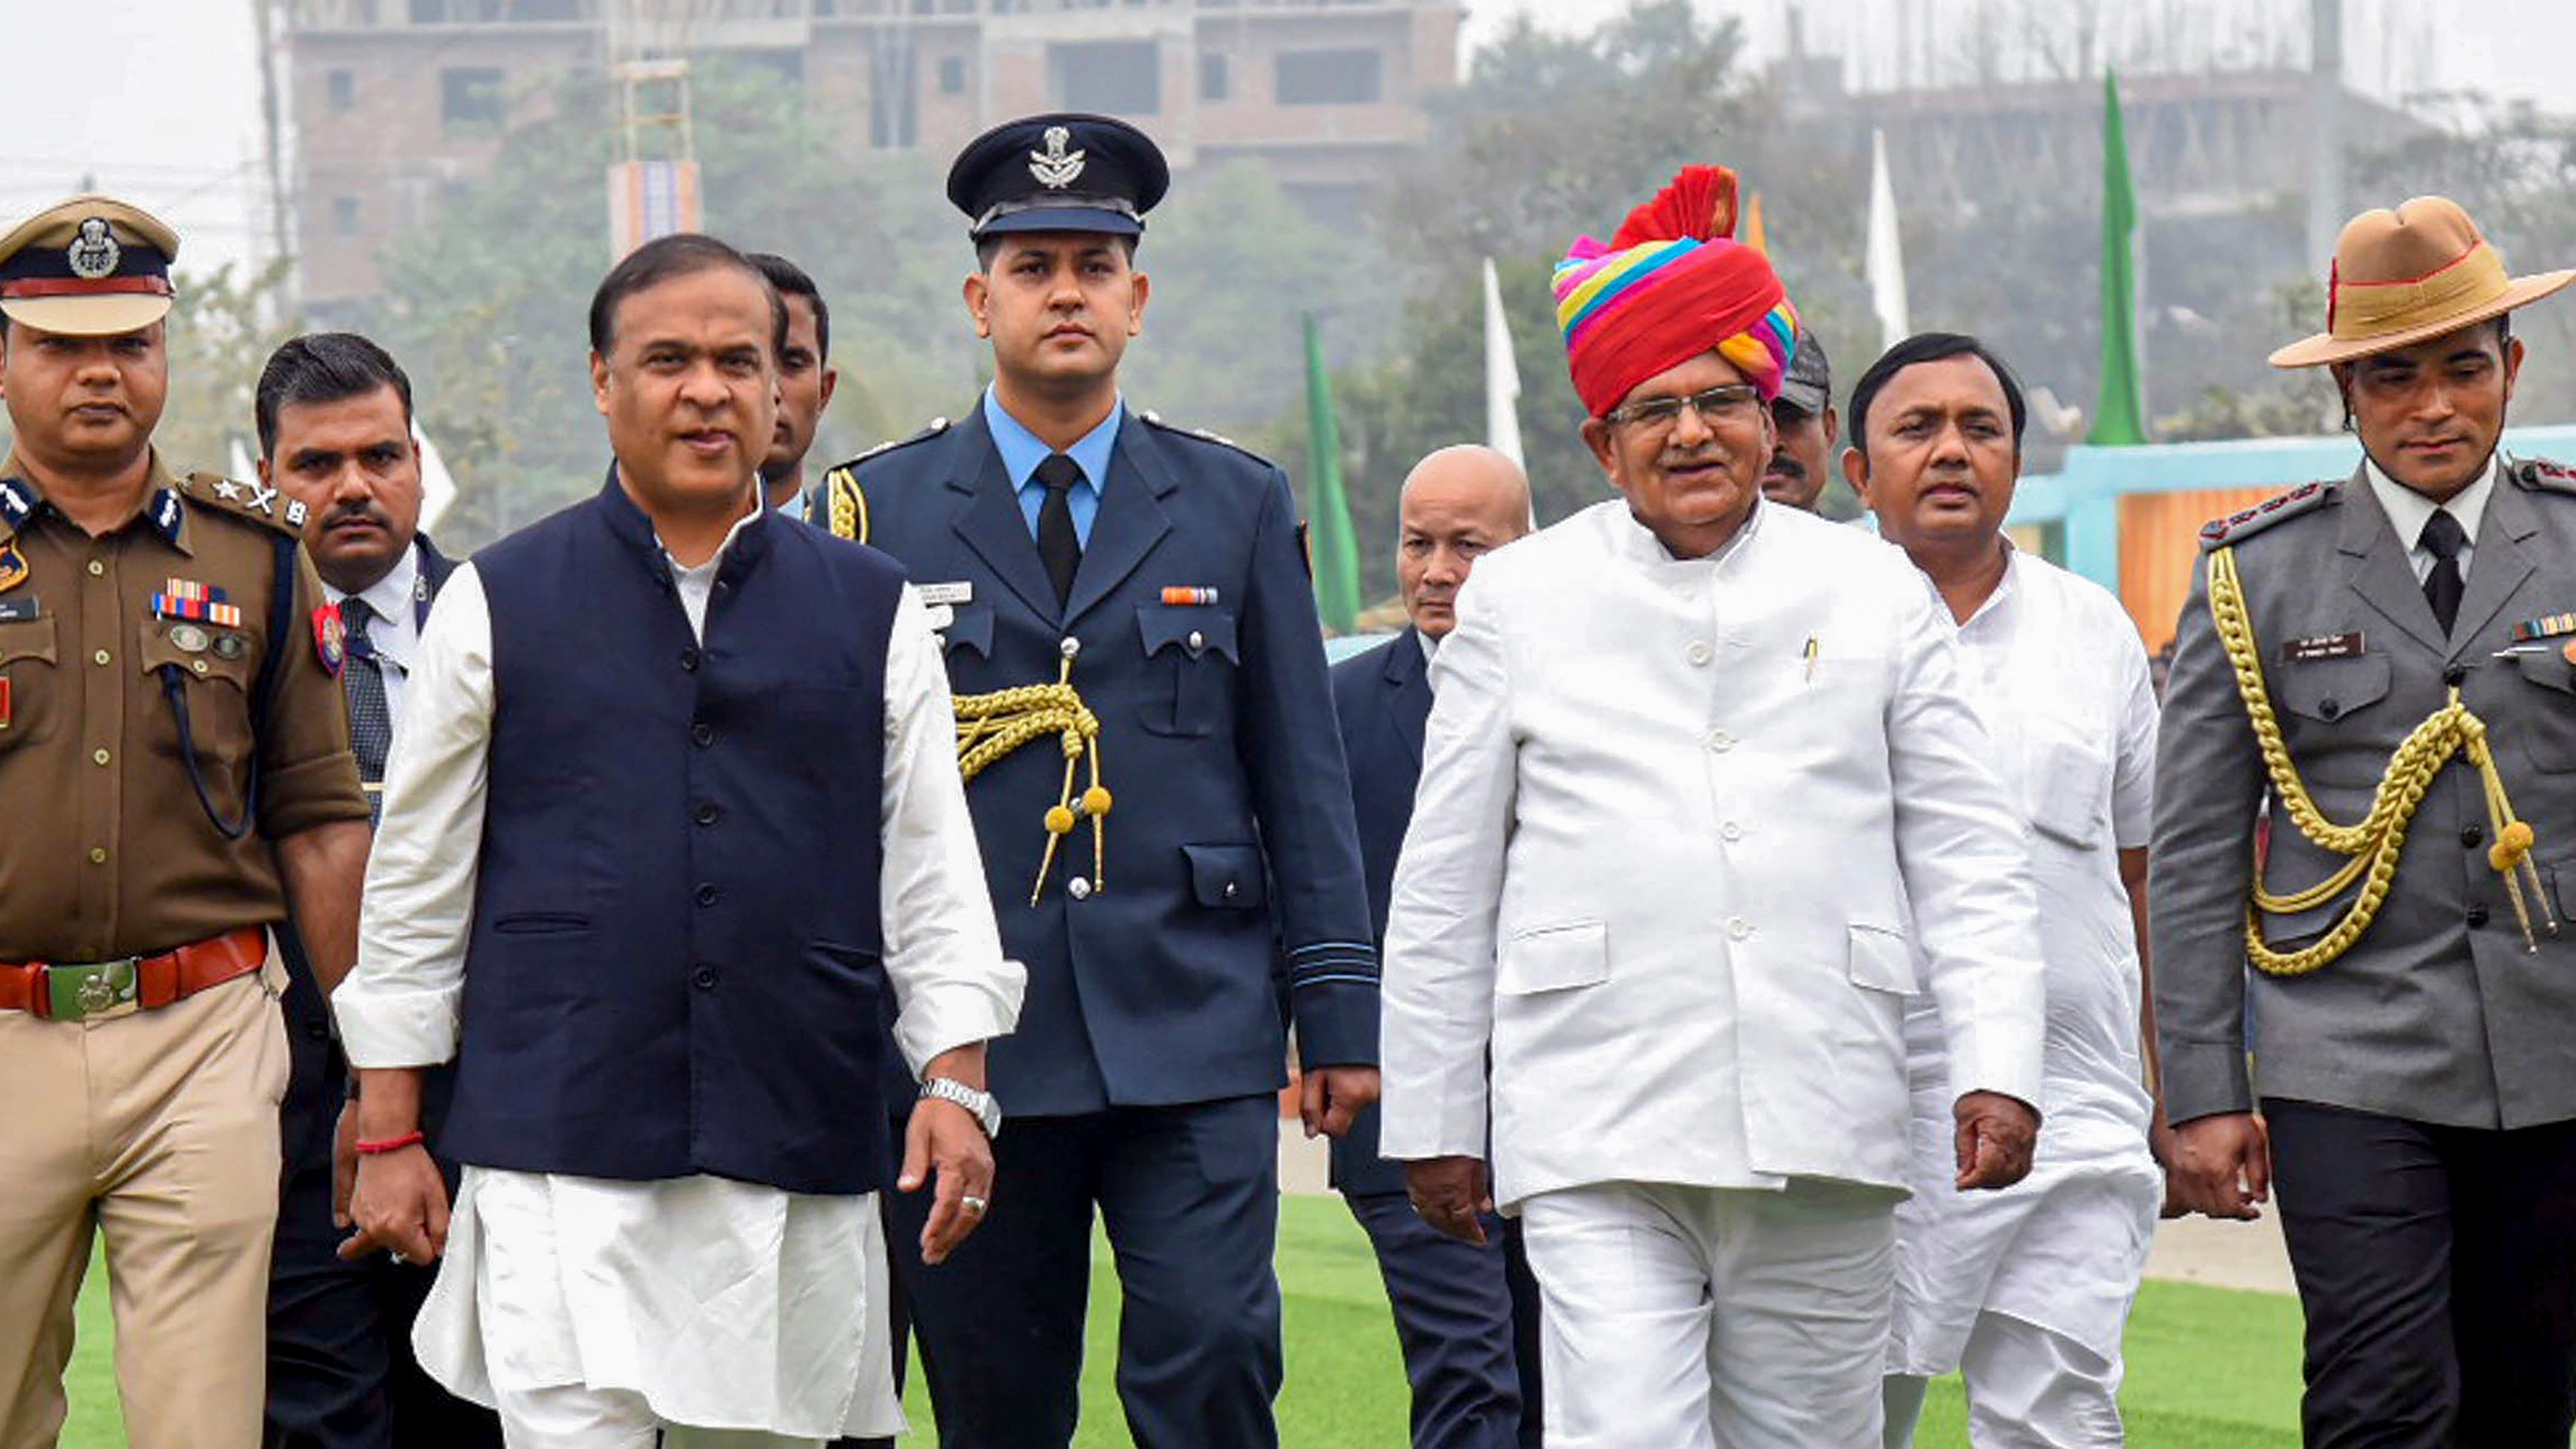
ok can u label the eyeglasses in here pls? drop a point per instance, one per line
(1733, 403)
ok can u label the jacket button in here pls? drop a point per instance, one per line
(1198, 641)
(1738, 927)
(2329, 709)
(689, 658)
(707, 895)
(1079, 888)
(2473, 835)
(702, 734)
(1698, 652)
(2477, 917)
(1232, 890)
(708, 812)
(2454, 675)
(704, 978)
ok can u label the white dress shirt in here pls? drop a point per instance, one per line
(394, 633)
(2060, 678)
(2408, 511)
(726, 1304)
(1670, 811)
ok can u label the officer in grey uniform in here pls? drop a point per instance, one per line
(2385, 668)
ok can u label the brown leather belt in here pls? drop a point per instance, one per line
(131, 983)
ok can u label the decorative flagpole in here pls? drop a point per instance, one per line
(1502, 375)
(1886, 251)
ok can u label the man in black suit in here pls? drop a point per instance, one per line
(334, 416)
(1466, 1314)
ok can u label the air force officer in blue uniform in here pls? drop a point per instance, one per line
(1128, 602)
(1465, 1313)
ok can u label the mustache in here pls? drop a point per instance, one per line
(1785, 464)
(358, 512)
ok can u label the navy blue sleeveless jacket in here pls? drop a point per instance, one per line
(675, 961)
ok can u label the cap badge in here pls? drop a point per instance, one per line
(94, 253)
(1055, 168)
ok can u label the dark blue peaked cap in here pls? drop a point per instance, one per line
(1059, 172)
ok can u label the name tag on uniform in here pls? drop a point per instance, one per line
(960, 592)
(19, 610)
(2323, 646)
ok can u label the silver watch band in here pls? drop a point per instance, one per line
(986, 1111)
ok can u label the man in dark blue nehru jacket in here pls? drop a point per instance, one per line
(1465, 1313)
(673, 813)
(1125, 609)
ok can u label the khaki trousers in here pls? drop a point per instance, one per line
(159, 1128)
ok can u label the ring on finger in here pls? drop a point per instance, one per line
(973, 1204)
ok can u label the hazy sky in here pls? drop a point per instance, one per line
(159, 99)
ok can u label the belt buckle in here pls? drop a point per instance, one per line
(94, 990)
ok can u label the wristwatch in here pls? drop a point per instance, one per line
(988, 1113)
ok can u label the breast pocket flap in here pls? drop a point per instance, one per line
(1227, 877)
(1881, 960)
(970, 629)
(1555, 958)
(1191, 628)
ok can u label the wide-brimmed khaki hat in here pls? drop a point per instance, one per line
(2410, 275)
(92, 266)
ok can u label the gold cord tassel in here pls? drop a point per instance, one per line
(2373, 844)
(990, 726)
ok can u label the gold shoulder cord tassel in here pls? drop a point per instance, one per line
(2372, 845)
(990, 726)
(848, 505)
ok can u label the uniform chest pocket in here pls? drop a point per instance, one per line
(215, 669)
(969, 628)
(2329, 689)
(27, 677)
(2543, 728)
(1190, 658)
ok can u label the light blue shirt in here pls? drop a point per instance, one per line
(1022, 452)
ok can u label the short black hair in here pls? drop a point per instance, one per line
(323, 367)
(989, 247)
(1925, 347)
(667, 259)
(791, 281)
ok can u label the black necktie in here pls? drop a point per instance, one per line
(371, 724)
(1059, 547)
(2443, 538)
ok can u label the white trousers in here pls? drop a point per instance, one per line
(1706, 1318)
(2028, 1388)
(573, 1416)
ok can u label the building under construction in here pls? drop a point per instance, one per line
(389, 104)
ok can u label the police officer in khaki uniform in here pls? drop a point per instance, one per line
(174, 758)
(2386, 665)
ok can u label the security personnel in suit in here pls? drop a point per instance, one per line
(1125, 609)
(2382, 665)
(1466, 1314)
(334, 418)
(175, 756)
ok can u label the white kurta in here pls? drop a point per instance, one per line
(2058, 674)
(725, 1304)
(1648, 924)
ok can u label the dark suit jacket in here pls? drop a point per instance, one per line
(1381, 700)
(1231, 828)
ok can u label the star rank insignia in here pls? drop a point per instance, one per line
(228, 490)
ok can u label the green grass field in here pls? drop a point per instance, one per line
(2208, 1369)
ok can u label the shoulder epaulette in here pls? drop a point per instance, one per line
(254, 501)
(2542, 475)
(1154, 420)
(935, 427)
(2237, 527)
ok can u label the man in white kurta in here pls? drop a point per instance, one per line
(693, 1309)
(1689, 754)
(2025, 1292)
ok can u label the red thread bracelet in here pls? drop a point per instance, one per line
(392, 1144)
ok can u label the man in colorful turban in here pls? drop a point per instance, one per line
(1691, 758)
